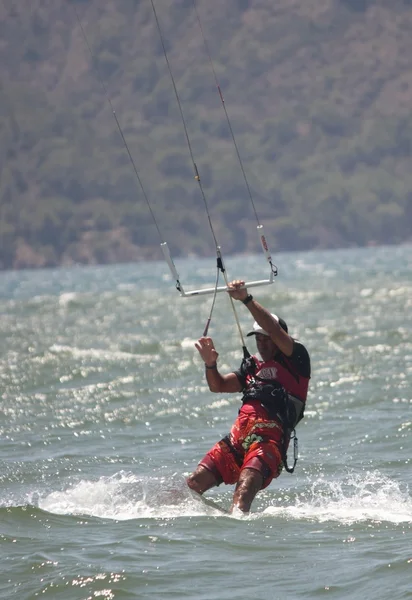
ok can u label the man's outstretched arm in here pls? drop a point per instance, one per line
(216, 381)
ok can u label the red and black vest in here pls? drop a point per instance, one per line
(278, 386)
(283, 372)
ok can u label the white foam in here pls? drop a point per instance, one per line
(368, 496)
(67, 298)
(97, 354)
(126, 496)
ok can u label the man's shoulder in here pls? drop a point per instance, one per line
(301, 359)
(299, 347)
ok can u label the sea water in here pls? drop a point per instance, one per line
(105, 411)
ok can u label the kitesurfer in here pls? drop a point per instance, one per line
(274, 384)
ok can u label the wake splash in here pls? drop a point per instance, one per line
(125, 496)
(361, 497)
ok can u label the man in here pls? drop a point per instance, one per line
(274, 387)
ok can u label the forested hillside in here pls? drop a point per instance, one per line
(319, 95)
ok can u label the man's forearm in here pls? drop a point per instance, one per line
(214, 378)
(261, 315)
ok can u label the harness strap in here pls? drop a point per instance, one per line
(237, 455)
(295, 452)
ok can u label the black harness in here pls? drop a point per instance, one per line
(280, 405)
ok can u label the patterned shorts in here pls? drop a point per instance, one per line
(254, 442)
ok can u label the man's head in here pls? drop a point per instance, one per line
(265, 345)
(257, 328)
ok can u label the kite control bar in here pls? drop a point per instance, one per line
(213, 290)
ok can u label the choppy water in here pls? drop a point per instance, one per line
(104, 410)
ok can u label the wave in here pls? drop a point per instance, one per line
(363, 497)
(368, 496)
(125, 496)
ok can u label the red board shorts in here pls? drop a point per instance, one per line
(254, 442)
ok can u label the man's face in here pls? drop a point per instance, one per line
(266, 347)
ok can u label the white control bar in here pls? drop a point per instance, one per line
(212, 290)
